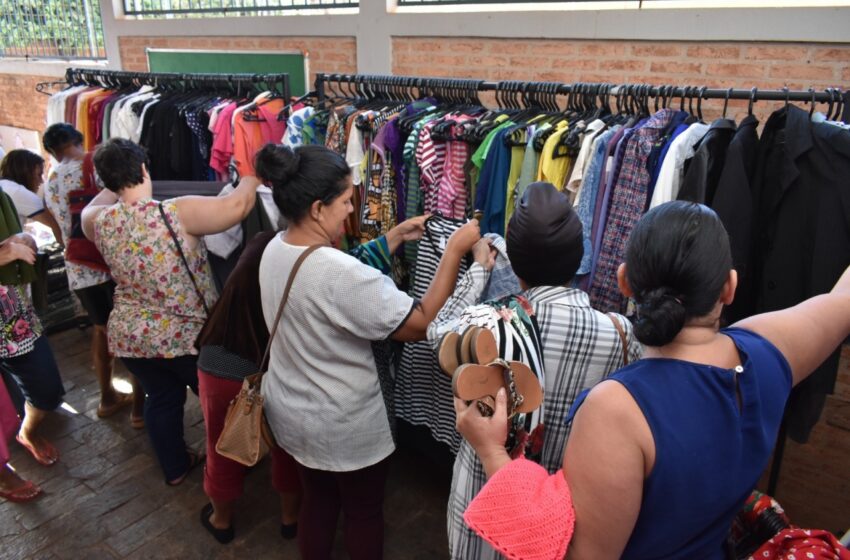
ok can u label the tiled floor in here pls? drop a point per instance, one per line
(106, 497)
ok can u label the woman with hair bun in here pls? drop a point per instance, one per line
(663, 454)
(322, 394)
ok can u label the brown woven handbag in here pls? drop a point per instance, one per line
(246, 436)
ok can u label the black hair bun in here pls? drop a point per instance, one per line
(276, 164)
(660, 317)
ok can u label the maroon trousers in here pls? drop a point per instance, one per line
(223, 477)
(360, 496)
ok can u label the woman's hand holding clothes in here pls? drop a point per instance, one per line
(408, 230)
(484, 253)
(464, 239)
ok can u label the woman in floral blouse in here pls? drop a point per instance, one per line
(160, 307)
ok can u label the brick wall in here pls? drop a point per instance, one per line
(20, 104)
(327, 54)
(721, 65)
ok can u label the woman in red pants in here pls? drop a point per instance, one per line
(231, 346)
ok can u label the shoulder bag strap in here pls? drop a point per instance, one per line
(623, 340)
(298, 263)
(183, 258)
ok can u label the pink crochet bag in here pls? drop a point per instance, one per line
(524, 513)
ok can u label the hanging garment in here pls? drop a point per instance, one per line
(616, 151)
(733, 202)
(703, 170)
(627, 205)
(589, 191)
(802, 208)
(423, 392)
(672, 171)
(493, 185)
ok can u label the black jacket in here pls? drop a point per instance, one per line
(702, 173)
(802, 243)
(733, 202)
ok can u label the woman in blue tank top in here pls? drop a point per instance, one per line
(663, 454)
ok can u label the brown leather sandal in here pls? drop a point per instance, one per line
(483, 348)
(447, 354)
(465, 347)
(480, 383)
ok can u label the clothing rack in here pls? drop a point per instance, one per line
(120, 79)
(518, 94)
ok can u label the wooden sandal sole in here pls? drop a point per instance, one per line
(447, 355)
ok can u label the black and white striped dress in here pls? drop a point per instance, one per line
(423, 393)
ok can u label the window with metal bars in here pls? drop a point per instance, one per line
(44, 29)
(212, 8)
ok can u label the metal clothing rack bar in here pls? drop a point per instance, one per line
(126, 78)
(369, 83)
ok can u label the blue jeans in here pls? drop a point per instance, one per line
(165, 381)
(37, 376)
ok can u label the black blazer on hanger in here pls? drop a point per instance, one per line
(733, 202)
(802, 243)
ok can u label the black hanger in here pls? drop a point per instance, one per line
(726, 101)
(702, 91)
(813, 101)
(787, 96)
(753, 93)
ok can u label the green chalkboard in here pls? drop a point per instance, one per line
(233, 62)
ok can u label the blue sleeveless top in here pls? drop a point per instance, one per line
(709, 454)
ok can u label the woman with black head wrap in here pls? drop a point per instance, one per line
(580, 346)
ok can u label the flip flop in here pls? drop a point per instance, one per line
(447, 355)
(474, 382)
(124, 400)
(26, 493)
(41, 459)
(195, 459)
(223, 536)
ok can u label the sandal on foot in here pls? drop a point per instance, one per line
(223, 536)
(41, 459)
(26, 493)
(195, 459)
(473, 382)
(447, 354)
(289, 532)
(107, 411)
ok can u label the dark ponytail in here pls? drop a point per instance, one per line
(300, 177)
(677, 261)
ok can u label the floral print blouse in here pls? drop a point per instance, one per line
(157, 313)
(19, 323)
